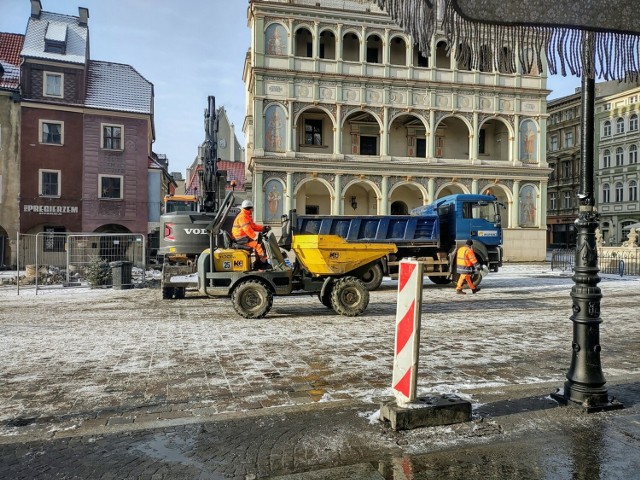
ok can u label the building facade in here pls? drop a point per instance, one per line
(86, 132)
(617, 137)
(10, 47)
(345, 116)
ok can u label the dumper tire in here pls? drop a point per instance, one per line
(349, 297)
(179, 293)
(167, 293)
(252, 299)
(372, 278)
(326, 298)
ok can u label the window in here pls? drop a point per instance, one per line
(51, 132)
(110, 186)
(606, 159)
(368, 145)
(620, 125)
(553, 143)
(553, 201)
(49, 183)
(312, 132)
(633, 122)
(52, 85)
(112, 137)
(421, 147)
(633, 99)
(372, 55)
(633, 154)
(619, 156)
(568, 139)
(566, 169)
(619, 192)
(606, 131)
(51, 46)
(633, 191)
(606, 193)
(607, 106)
(567, 199)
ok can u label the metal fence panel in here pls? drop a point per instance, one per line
(618, 262)
(62, 259)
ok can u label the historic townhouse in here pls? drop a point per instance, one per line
(563, 156)
(86, 133)
(617, 137)
(10, 46)
(345, 116)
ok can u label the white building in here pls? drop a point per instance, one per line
(345, 116)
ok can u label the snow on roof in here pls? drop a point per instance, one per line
(61, 29)
(116, 86)
(10, 46)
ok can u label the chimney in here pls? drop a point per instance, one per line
(84, 16)
(36, 8)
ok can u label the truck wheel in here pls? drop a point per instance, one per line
(476, 278)
(349, 297)
(252, 299)
(167, 293)
(326, 298)
(372, 278)
(440, 280)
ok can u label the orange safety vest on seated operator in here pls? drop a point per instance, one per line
(465, 260)
(243, 226)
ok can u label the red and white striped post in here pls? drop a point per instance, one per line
(408, 313)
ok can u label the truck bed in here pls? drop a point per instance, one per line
(403, 230)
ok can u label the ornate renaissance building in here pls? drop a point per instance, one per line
(345, 116)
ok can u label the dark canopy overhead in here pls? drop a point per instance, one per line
(554, 28)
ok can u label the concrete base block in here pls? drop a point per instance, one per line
(429, 411)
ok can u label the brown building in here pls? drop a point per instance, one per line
(86, 133)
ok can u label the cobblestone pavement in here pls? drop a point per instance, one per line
(119, 384)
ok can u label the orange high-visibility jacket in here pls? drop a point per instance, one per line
(243, 226)
(465, 260)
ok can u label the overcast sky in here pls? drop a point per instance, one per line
(188, 49)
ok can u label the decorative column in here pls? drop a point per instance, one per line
(431, 152)
(289, 205)
(384, 134)
(431, 193)
(337, 195)
(474, 186)
(515, 146)
(337, 131)
(474, 139)
(258, 196)
(384, 201)
(515, 208)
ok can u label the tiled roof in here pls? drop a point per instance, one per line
(235, 171)
(115, 86)
(54, 26)
(10, 46)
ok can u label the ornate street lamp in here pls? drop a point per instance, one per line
(589, 38)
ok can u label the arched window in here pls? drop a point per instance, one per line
(606, 158)
(463, 56)
(442, 59)
(350, 48)
(398, 51)
(304, 43)
(486, 59)
(619, 192)
(620, 125)
(633, 154)
(606, 193)
(506, 63)
(606, 130)
(374, 49)
(633, 122)
(619, 157)
(327, 45)
(633, 191)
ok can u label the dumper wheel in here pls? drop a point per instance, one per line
(179, 293)
(440, 280)
(372, 278)
(349, 297)
(167, 293)
(252, 299)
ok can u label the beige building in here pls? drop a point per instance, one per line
(345, 116)
(10, 46)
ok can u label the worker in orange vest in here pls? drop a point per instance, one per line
(467, 263)
(246, 232)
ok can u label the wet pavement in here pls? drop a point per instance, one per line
(119, 384)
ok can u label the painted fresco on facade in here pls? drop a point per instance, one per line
(528, 141)
(528, 212)
(273, 195)
(275, 127)
(275, 40)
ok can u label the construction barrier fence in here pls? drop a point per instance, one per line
(48, 259)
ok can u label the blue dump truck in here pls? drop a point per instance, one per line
(431, 234)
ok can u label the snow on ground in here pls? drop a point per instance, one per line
(81, 351)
